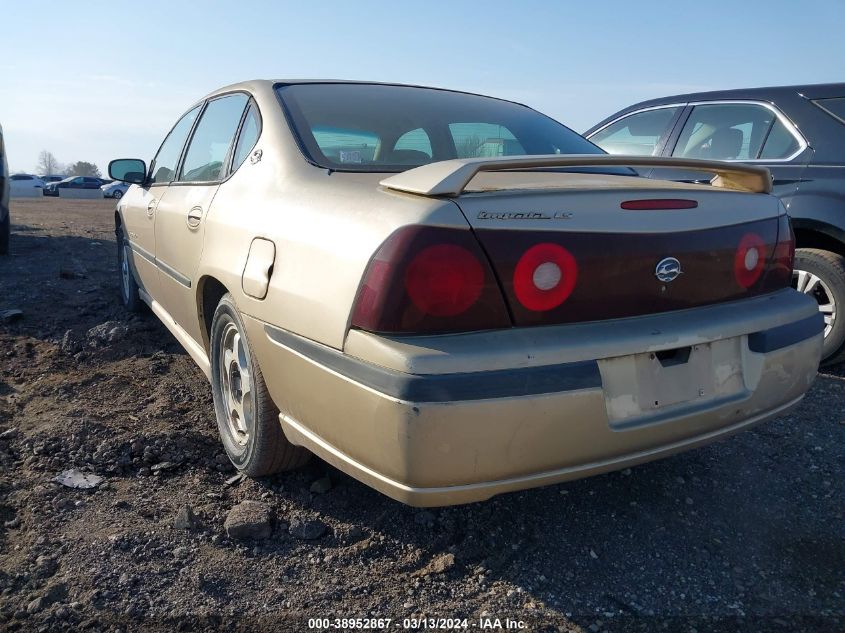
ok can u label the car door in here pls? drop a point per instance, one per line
(138, 207)
(182, 210)
(741, 131)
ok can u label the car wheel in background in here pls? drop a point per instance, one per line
(128, 286)
(821, 274)
(247, 418)
(5, 232)
(118, 194)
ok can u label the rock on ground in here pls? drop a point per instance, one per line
(249, 520)
(307, 530)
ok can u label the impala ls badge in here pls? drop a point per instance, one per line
(668, 269)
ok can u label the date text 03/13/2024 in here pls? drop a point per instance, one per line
(422, 623)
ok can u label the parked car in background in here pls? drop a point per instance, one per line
(5, 217)
(798, 132)
(52, 178)
(23, 184)
(432, 303)
(73, 182)
(114, 189)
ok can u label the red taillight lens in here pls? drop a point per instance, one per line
(429, 280)
(784, 257)
(444, 280)
(544, 277)
(658, 204)
(750, 259)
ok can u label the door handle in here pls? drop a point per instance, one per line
(194, 217)
(151, 207)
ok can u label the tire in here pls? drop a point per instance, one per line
(117, 195)
(821, 274)
(5, 234)
(247, 418)
(128, 286)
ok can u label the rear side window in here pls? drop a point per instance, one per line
(834, 107)
(638, 134)
(21, 177)
(248, 138)
(735, 131)
(780, 143)
(213, 139)
(163, 167)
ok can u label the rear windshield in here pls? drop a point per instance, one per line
(368, 127)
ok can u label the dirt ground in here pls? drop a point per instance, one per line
(744, 535)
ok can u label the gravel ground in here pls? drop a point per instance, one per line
(744, 535)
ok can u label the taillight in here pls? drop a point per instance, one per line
(750, 259)
(444, 280)
(784, 256)
(544, 276)
(429, 280)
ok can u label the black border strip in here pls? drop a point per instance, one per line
(478, 385)
(168, 270)
(785, 335)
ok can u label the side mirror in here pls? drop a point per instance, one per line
(131, 170)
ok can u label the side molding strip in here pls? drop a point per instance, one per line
(479, 385)
(169, 270)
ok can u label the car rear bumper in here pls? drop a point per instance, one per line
(460, 418)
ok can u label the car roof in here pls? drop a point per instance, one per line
(252, 84)
(768, 93)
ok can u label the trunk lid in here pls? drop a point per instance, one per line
(564, 249)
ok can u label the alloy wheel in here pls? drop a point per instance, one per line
(813, 285)
(125, 273)
(236, 384)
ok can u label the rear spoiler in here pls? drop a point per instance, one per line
(450, 177)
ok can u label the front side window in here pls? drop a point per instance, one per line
(209, 147)
(163, 168)
(734, 131)
(250, 132)
(383, 128)
(638, 134)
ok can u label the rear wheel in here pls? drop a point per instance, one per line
(247, 419)
(118, 194)
(821, 274)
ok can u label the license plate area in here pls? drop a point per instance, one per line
(647, 387)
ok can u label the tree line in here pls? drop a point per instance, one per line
(48, 164)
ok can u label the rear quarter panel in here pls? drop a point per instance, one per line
(325, 228)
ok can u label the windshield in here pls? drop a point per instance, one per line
(376, 128)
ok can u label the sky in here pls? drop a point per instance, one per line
(96, 80)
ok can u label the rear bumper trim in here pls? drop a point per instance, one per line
(476, 385)
(785, 335)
